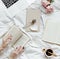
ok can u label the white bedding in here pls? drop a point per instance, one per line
(33, 50)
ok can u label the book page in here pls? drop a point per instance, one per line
(22, 41)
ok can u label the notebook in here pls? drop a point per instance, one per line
(52, 30)
(33, 14)
(19, 38)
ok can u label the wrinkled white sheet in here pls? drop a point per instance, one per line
(33, 50)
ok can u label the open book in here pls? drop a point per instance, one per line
(19, 38)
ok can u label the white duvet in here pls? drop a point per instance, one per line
(33, 50)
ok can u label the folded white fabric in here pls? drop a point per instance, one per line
(30, 1)
(56, 3)
(15, 8)
(23, 56)
(3, 28)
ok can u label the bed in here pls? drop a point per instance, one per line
(33, 50)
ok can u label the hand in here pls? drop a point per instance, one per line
(49, 9)
(45, 3)
(49, 0)
(16, 52)
(47, 6)
(1, 48)
(6, 41)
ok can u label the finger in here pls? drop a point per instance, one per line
(21, 49)
(7, 42)
(17, 48)
(9, 37)
(20, 52)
